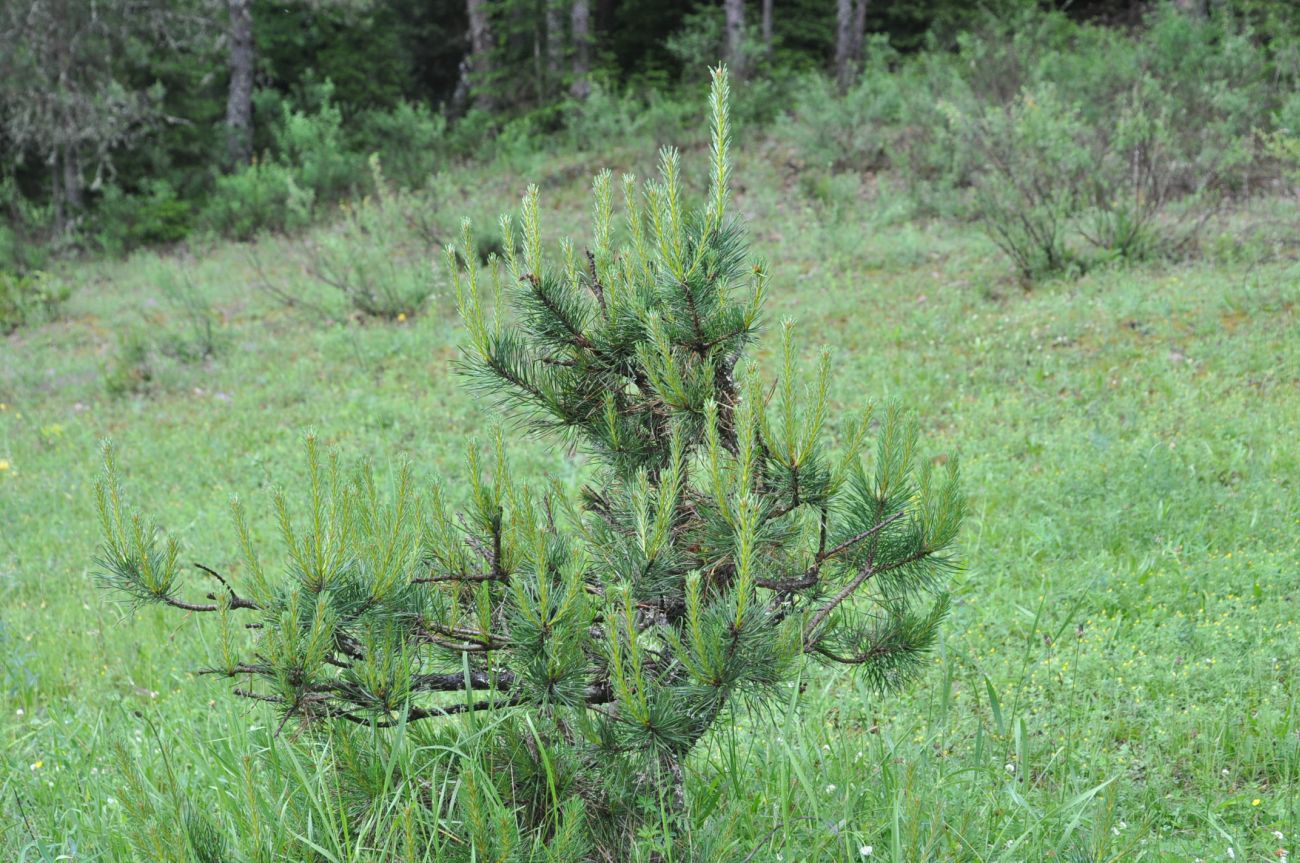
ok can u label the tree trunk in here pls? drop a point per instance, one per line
(480, 52)
(859, 32)
(767, 26)
(580, 33)
(734, 12)
(850, 25)
(554, 46)
(73, 185)
(239, 96)
(843, 42)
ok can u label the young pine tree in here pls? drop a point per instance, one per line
(720, 540)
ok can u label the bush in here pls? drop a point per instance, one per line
(26, 231)
(130, 370)
(576, 652)
(199, 337)
(851, 132)
(1052, 183)
(606, 116)
(363, 257)
(411, 142)
(155, 215)
(312, 146)
(264, 196)
(32, 298)
(1146, 198)
(1029, 191)
(1283, 144)
(308, 167)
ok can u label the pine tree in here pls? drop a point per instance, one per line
(720, 540)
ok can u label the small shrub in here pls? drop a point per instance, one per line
(312, 146)
(466, 136)
(1059, 193)
(577, 651)
(1283, 144)
(199, 336)
(364, 258)
(26, 231)
(33, 298)
(130, 370)
(851, 132)
(607, 116)
(410, 140)
(1142, 198)
(155, 215)
(1028, 193)
(308, 166)
(261, 197)
(928, 149)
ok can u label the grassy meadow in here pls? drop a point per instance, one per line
(1118, 679)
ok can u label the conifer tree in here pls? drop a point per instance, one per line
(721, 539)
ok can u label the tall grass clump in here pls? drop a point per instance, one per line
(574, 654)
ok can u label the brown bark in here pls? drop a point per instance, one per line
(241, 59)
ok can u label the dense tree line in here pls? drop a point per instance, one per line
(162, 97)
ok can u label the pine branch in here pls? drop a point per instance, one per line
(469, 577)
(867, 572)
(810, 575)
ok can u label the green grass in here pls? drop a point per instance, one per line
(1117, 680)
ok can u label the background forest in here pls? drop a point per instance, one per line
(1063, 238)
(128, 124)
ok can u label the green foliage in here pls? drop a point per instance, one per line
(370, 257)
(156, 216)
(1074, 144)
(149, 354)
(1284, 143)
(852, 132)
(1028, 193)
(1145, 416)
(620, 117)
(26, 232)
(199, 337)
(264, 196)
(130, 370)
(312, 145)
(410, 141)
(1052, 183)
(578, 651)
(31, 298)
(307, 168)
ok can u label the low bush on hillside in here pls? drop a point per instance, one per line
(1073, 144)
(371, 259)
(30, 298)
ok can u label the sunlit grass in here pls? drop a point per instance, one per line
(1117, 681)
